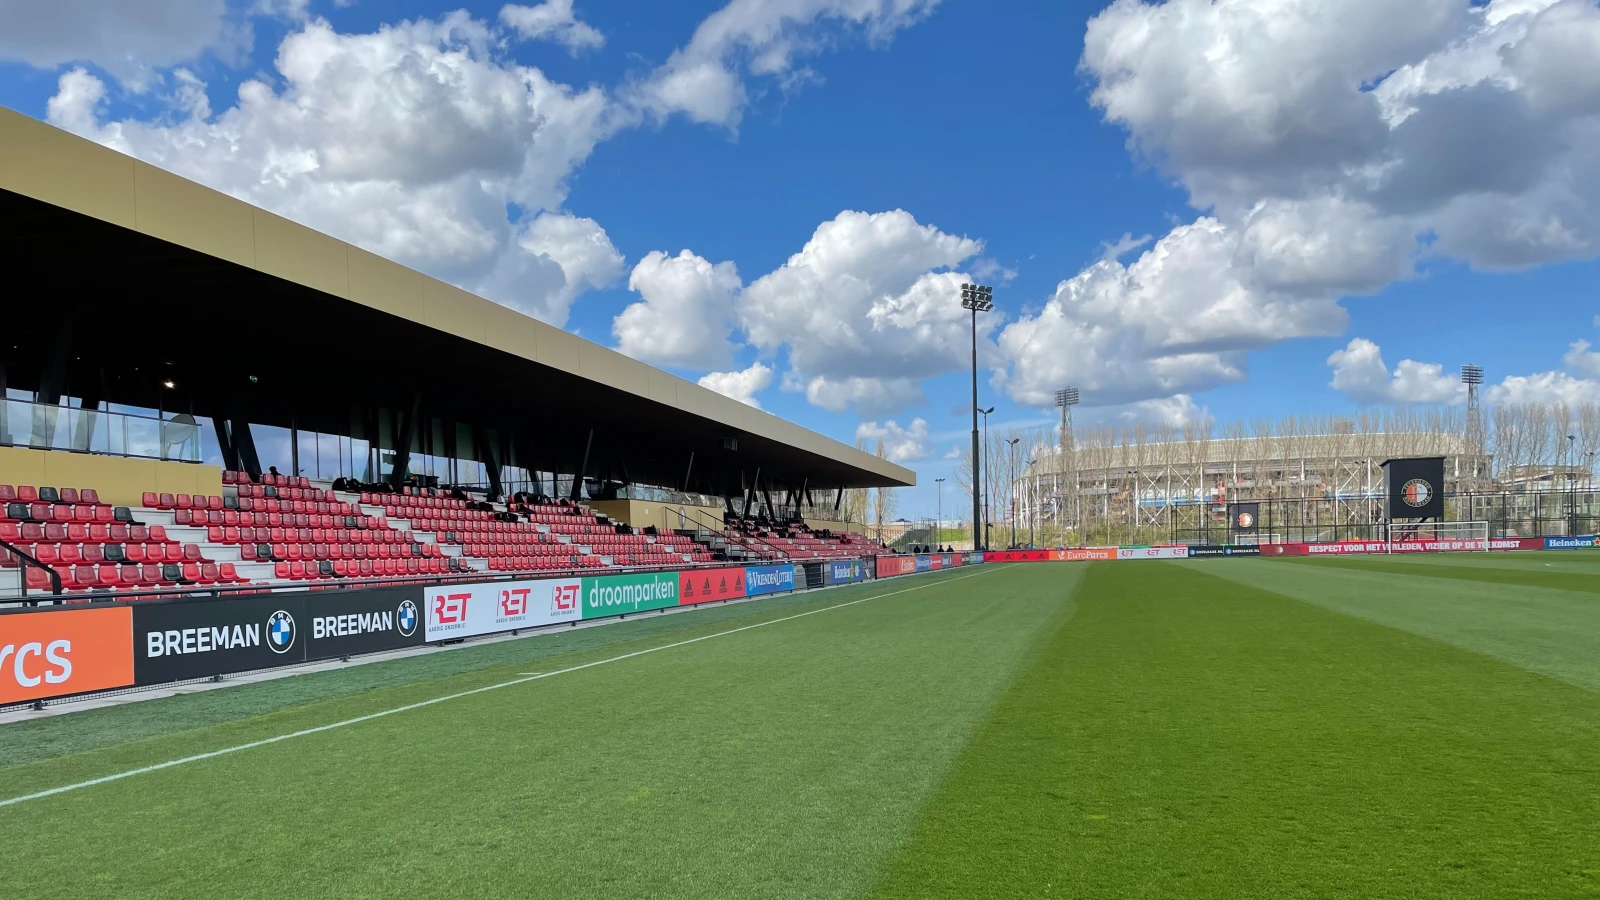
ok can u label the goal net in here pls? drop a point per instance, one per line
(1436, 537)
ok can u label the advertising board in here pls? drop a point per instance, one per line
(707, 585)
(950, 560)
(844, 571)
(70, 651)
(620, 595)
(1153, 553)
(976, 558)
(345, 623)
(1581, 542)
(759, 580)
(890, 566)
(184, 639)
(465, 610)
(922, 563)
(1216, 550)
(1075, 554)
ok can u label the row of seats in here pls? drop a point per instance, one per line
(84, 578)
(17, 511)
(30, 494)
(80, 533)
(295, 570)
(267, 478)
(267, 552)
(94, 554)
(229, 518)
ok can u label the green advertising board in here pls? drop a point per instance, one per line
(618, 595)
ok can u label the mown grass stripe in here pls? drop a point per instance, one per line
(1188, 736)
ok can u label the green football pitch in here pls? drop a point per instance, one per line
(1236, 728)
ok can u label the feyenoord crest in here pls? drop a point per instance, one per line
(1246, 521)
(1416, 493)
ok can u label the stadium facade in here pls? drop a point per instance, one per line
(168, 326)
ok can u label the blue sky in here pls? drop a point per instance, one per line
(1325, 214)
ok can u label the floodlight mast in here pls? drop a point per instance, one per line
(976, 298)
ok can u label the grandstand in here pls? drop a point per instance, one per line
(189, 339)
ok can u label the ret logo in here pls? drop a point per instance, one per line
(565, 597)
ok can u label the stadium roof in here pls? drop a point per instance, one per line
(158, 269)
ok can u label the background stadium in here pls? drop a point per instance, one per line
(527, 617)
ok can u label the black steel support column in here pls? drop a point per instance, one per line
(577, 479)
(487, 455)
(402, 450)
(688, 472)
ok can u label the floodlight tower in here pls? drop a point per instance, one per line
(977, 298)
(1066, 399)
(1472, 377)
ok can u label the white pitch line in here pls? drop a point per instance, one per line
(456, 696)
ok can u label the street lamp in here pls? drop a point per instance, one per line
(988, 500)
(1572, 486)
(1011, 475)
(977, 298)
(938, 526)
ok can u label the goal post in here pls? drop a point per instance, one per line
(1436, 537)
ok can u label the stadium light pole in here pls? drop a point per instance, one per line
(938, 526)
(1011, 486)
(988, 495)
(977, 298)
(1572, 486)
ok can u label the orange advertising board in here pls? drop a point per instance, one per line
(49, 654)
(1083, 554)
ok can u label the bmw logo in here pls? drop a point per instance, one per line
(280, 632)
(407, 618)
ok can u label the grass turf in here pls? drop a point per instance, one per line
(1229, 728)
(784, 761)
(1187, 736)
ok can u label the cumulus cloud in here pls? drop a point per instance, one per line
(866, 310)
(552, 20)
(742, 386)
(705, 79)
(128, 38)
(1545, 388)
(1176, 320)
(1321, 150)
(1359, 371)
(908, 444)
(1581, 359)
(686, 312)
(412, 141)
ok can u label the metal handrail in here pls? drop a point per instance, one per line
(26, 557)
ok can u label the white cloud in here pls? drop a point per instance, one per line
(1545, 388)
(868, 395)
(1581, 359)
(128, 38)
(742, 386)
(866, 310)
(908, 444)
(1359, 371)
(1319, 141)
(551, 20)
(1471, 121)
(1179, 409)
(704, 79)
(952, 453)
(411, 141)
(1176, 320)
(686, 312)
